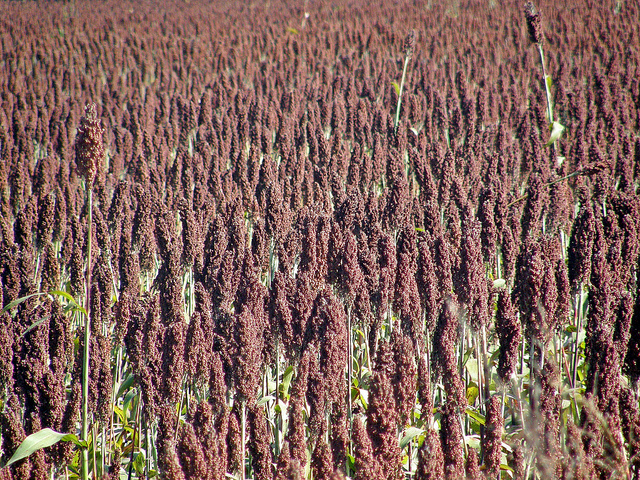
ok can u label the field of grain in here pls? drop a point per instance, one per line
(319, 240)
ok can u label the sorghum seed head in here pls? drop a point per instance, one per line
(410, 44)
(89, 146)
(533, 23)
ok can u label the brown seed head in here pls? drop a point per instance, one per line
(410, 44)
(533, 23)
(89, 146)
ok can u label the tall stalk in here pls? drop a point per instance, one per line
(276, 418)
(244, 440)
(399, 104)
(87, 338)
(536, 36)
(409, 47)
(546, 86)
(90, 156)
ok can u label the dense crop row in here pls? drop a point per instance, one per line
(288, 282)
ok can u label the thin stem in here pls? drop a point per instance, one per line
(244, 438)
(549, 184)
(576, 345)
(532, 369)
(103, 449)
(485, 364)
(87, 338)
(136, 430)
(546, 85)
(180, 404)
(480, 362)
(94, 434)
(349, 367)
(349, 383)
(277, 418)
(117, 378)
(148, 447)
(404, 72)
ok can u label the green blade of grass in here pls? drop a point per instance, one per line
(409, 434)
(20, 300)
(35, 324)
(42, 439)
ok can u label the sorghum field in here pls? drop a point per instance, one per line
(319, 240)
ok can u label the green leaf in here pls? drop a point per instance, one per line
(128, 399)
(494, 356)
(120, 413)
(351, 461)
(418, 229)
(35, 324)
(396, 87)
(17, 302)
(549, 81)
(499, 283)
(556, 132)
(292, 30)
(124, 386)
(472, 393)
(472, 441)
(286, 382)
(360, 394)
(472, 367)
(139, 464)
(79, 309)
(60, 293)
(265, 399)
(409, 434)
(42, 439)
(478, 417)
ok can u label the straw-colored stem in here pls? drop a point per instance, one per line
(244, 439)
(549, 184)
(277, 418)
(546, 88)
(87, 338)
(579, 310)
(400, 90)
(349, 367)
(148, 446)
(180, 405)
(485, 365)
(93, 451)
(136, 434)
(546, 85)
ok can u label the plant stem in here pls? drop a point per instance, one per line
(87, 338)
(180, 404)
(148, 447)
(244, 439)
(549, 184)
(93, 450)
(136, 430)
(404, 72)
(485, 365)
(276, 416)
(546, 86)
(349, 368)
